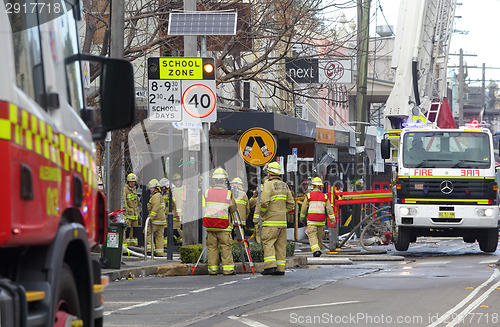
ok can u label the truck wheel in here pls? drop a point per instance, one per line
(401, 238)
(68, 304)
(488, 240)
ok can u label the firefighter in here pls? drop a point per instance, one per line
(165, 187)
(241, 199)
(156, 211)
(219, 204)
(178, 194)
(276, 201)
(131, 206)
(315, 205)
(290, 216)
(251, 226)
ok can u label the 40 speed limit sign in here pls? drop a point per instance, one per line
(198, 100)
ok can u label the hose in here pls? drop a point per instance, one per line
(362, 222)
(372, 250)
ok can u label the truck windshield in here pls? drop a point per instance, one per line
(446, 150)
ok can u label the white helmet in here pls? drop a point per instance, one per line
(164, 182)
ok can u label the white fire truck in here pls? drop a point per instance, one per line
(51, 210)
(444, 177)
(445, 186)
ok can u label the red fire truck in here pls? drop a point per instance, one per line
(51, 210)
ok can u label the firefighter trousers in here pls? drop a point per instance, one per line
(315, 235)
(224, 239)
(274, 245)
(158, 232)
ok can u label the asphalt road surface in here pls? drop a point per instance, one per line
(441, 282)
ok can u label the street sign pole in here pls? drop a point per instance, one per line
(258, 202)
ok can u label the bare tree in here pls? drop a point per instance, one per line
(269, 34)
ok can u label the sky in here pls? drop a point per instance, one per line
(479, 18)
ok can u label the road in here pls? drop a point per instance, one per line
(441, 282)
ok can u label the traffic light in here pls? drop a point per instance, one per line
(208, 69)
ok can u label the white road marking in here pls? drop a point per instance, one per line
(107, 313)
(450, 312)
(247, 321)
(306, 306)
(203, 289)
(428, 263)
(460, 317)
(228, 283)
(489, 261)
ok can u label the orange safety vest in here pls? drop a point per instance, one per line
(217, 202)
(317, 204)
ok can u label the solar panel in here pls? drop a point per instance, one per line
(202, 23)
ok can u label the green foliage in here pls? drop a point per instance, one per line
(190, 253)
(290, 248)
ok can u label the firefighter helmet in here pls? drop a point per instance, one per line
(164, 182)
(316, 181)
(153, 183)
(176, 176)
(237, 180)
(274, 168)
(131, 177)
(219, 173)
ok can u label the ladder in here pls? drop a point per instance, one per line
(432, 114)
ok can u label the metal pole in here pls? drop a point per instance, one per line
(483, 88)
(116, 51)
(170, 217)
(461, 80)
(361, 104)
(205, 149)
(190, 170)
(205, 168)
(296, 180)
(107, 142)
(258, 203)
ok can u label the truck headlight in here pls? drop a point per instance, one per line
(488, 212)
(480, 212)
(404, 211)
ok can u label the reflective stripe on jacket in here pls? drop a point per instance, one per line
(174, 209)
(276, 201)
(243, 206)
(130, 203)
(156, 208)
(219, 202)
(315, 205)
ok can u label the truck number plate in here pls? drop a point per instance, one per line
(446, 214)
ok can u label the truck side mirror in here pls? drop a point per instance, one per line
(117, 94)
(385, 148)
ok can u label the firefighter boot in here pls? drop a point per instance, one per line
(269, 271)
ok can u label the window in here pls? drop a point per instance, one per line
(27, 50)
(446, 150)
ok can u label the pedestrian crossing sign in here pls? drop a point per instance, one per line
(257, 146)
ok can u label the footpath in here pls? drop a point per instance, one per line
(133, 267)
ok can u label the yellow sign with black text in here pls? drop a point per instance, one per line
(257, 146)
(180, 68)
